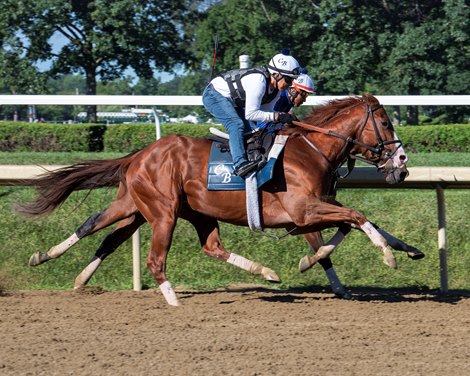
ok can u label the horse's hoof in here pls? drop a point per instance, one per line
(270, 275)
(306, 263)
(389, 259)
(415, 254)
(343, 295)
(325, 251)
(35, 259)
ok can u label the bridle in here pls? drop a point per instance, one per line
(375, 150)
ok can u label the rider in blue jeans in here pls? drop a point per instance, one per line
(239, 98)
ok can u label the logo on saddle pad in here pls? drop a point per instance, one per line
(224, 172)
(220, 175)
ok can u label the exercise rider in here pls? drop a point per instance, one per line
(242, 97)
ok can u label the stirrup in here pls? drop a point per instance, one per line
(245, 167)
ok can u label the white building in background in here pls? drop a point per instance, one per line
(133, 115)
(190, 119)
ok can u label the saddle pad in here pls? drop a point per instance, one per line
(220, 175)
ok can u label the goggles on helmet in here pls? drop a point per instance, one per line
(286, 65)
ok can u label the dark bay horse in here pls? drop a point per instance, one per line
(167, 180)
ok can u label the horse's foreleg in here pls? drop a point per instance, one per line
(324, 250)
(315, 242)
(324, 215)
(400, 245)
(208, 232)
(380, 242)
(123, 231)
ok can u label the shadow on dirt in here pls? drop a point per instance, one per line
(359, 294)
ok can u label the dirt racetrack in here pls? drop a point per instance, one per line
(241, 331)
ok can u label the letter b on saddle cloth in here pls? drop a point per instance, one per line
(261, 145)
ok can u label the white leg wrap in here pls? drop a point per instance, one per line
(169, 293)
(87, 273)
(327, 249)
(59, 249)
(240, 261)
(378, 240)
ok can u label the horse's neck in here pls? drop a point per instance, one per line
(330, 148)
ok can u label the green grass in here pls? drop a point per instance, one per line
(24, 158)
(408, 214)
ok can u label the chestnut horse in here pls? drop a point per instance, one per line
(167, 180)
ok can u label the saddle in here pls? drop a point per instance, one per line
(259, 146)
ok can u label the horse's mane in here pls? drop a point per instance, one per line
(322, 114)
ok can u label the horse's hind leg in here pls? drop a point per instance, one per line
(208, 232)
(315, 242)
(123, 231)
(120, 208)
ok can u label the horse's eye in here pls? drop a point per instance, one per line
(385, 124)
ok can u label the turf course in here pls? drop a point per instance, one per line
(407, 214)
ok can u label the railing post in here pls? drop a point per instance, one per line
(136, 269)
(136, 260)
(442, 238)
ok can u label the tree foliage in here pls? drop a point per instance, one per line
(387, 47)
(100, 38)
(350, 46)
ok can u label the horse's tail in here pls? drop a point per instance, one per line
(55, 186)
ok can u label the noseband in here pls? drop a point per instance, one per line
(377, 151)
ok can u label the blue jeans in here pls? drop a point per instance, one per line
(231, 118)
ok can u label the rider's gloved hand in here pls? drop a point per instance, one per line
(285, 118)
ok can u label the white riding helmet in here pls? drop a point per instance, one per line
(305, 83)
(284, 64)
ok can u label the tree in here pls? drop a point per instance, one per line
(101, 38)
(430, 54)
(19, 76)
(257, 28)
(351, 46)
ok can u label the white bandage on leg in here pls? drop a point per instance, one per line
(87, 273)
(378, 240)
(240, 261)
(169, 293)
(59, 249)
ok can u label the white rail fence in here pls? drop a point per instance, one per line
(362, 177)
(196, 100)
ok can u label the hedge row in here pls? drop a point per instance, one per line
(131, 137)
(51, 137)
(435, 138)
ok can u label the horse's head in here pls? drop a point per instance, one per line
(377, 141)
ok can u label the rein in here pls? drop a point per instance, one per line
(349, 140)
